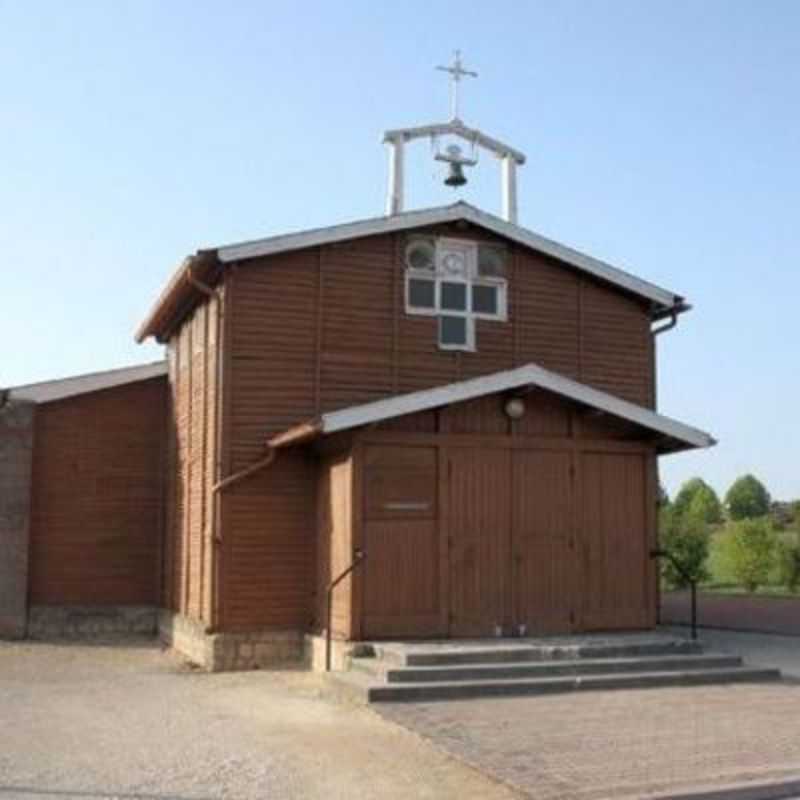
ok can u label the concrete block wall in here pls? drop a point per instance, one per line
(16, 456)
(89, 622)
(219, 652)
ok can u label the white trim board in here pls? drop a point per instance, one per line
(60, 389)
(529, 375)
(433, 216)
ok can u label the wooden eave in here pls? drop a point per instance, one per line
(180, 296)
(669, 434)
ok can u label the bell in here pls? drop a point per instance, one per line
(456, 176)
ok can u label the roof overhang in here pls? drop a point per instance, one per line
(671, 435)
(209, 265)
(62, 388)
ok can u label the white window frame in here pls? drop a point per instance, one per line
(470, 279)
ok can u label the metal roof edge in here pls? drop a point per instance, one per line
(62, 388)
(438, 214)
(530, 374)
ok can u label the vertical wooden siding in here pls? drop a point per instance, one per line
(334, 543)
(401, 574)
(96, 511)
(614, 520)
(545, 530)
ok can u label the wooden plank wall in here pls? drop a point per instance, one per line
(96, 510)
(324, 328)
(192, 355)
(587, 480)
(334, 543)
(269, 520)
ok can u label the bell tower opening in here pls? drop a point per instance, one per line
(452, 153)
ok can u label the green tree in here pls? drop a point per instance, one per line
(697, 498)
(788, 555)
(747, 498)
(749, 548)
(687, 539)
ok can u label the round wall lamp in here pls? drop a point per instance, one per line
(515, 408)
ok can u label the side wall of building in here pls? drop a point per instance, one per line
(16, 454)
(325, 328)
(193, 459)
(97, 499)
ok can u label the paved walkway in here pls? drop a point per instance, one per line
(625, 744)
(129, 722)
(758, 649)
(735, 612)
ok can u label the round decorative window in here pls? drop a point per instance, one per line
(454, 263)
(421, 254)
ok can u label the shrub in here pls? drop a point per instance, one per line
(687, 539)
(747, 498)
(749, 550)
(788, 558)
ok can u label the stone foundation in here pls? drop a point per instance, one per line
(218, 652)
(341, 652)
(87, 622)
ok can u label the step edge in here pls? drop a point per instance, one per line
(636, 680)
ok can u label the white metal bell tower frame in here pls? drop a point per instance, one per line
(396, 139)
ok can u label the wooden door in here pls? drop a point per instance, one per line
(479, 531)
(401, 572)
(614, 525)
(546, 567)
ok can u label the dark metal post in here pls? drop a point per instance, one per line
(358, 557)
(687, 577)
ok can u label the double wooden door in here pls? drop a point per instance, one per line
(463, 539)
(512, 550)
(552, 540)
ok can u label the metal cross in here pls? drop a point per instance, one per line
(457, 72)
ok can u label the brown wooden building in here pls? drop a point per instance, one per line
(467, 404)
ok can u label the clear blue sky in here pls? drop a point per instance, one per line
(661, 136)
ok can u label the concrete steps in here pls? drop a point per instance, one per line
(399, 673)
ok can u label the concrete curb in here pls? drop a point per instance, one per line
(774, 790)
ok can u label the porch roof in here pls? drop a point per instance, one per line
(673, 436)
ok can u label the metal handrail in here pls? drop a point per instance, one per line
(686, 575)
(358, 557)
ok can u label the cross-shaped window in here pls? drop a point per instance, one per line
(457, 281)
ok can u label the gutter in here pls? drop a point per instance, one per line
(174, 295)
(680, 307)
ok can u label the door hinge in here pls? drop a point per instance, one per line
(571, 617)
(572, 471)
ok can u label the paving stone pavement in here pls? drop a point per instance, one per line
(635, 743)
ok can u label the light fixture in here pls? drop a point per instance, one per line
(515, 408)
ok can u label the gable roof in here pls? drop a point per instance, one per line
(675, 435)
(211, 263)
(48, 391)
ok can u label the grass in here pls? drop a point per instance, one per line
(762, 591)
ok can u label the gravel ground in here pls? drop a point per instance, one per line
(129, 721)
